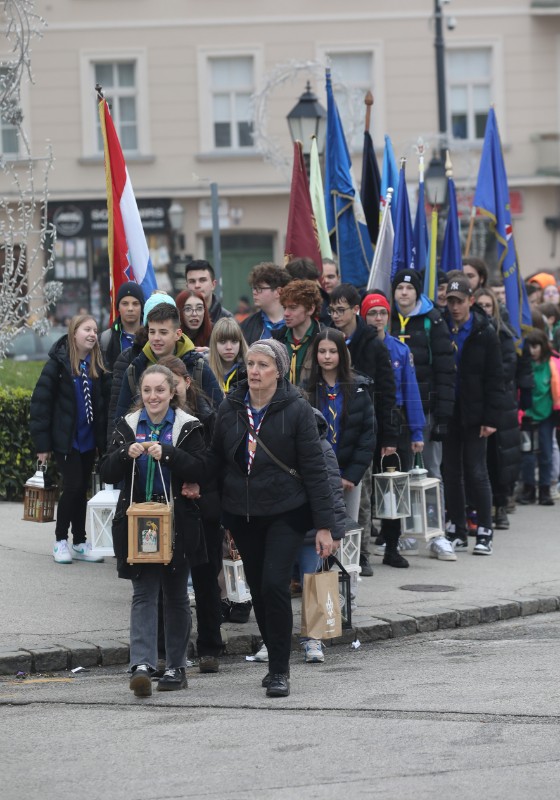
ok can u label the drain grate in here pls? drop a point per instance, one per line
(427, 587)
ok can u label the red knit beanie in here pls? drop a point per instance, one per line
(373, 301)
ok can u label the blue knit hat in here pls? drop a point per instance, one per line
(154, 300)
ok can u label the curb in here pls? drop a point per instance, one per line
(67, 654)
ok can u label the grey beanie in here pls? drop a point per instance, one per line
(274, 349)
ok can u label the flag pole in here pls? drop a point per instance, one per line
(368, 100)
(470, 231)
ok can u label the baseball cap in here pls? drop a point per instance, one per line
(458, 287)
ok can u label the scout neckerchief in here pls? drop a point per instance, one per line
(155, 431)
(404, 322)
(226, 383)
(86, 391)
(252, 442)
(332, 394)
(295, 345)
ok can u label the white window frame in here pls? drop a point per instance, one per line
(6, 61)
(374, 48)
(497, 97)
(206, 117)
(88, 59)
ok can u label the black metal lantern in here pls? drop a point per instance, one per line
(308, 118)
(435, 182)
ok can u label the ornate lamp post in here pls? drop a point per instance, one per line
(308, 118)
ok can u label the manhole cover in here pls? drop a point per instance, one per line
(427, 587)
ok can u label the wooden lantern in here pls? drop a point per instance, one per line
(349, 551)
(101, 510)
(39, 498)
(236, 583)
(149, 533)
(392, 493)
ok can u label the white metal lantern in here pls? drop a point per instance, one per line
(426, 517)
(349, 551)
(392, 493)
(236, 583)
(101, 510)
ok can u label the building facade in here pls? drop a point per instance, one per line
(199, 93)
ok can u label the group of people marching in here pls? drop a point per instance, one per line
(271, 430)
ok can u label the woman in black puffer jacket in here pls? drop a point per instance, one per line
(274, 489)
(68, 418)
(343, 398)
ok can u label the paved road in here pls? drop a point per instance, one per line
(464, 713)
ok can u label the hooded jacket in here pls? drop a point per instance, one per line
(185, 460)
(54, 412)
(427, 336)
(184, 350)
(289, 430)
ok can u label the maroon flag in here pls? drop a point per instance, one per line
(302, 240)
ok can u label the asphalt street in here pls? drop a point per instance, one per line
(464, 713)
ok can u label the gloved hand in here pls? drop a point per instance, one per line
(439, 431)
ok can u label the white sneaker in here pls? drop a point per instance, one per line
(441, 548)
(262, 654)
(83, 552)
(314, 652)
(61, 553)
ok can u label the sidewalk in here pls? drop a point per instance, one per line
(57, 617)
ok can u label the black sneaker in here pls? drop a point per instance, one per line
(141, 681)
(265, 683)
(483, 546)
(172, 680)
(394, 559)
(501, 521)
(279, 685)
(208, 664)
(460, 543)
(367, 569)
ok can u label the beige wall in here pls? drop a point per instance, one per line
(174, 35)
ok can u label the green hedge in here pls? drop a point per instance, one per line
(17, 457)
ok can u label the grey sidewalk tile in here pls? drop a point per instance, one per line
(14, 661)
(548, 604)
(81, 654)
(509, 609)
(401, 625)
(374, 630)
(426, 620)
(467, 615)
(240, 645)
(490, 612)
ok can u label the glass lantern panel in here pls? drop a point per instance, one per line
(433, 509)
(415, 523)
(392, 496)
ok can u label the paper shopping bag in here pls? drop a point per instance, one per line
(320, 608)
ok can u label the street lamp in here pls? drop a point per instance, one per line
(435, 178)
(435, 182)
(308, 118)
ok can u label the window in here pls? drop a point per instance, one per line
(118, 80)
(469, 91)
(352, 78)
(9, 135)
(231, 87)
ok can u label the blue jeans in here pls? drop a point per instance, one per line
(144, 616)
(543, 457)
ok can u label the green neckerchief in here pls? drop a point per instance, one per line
(297, 352)
(155, 431)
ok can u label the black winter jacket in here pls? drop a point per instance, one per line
(481, 396)
(252, 327)
(508, 439)
(217, 311)
(185, 459)
(370, 357)
(356, 444)
(290, 432)
(111, 345)
(53, 411)
(428, 339)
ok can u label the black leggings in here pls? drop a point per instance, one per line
(75, 469)
(269, 548)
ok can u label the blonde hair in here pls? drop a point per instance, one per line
(96, 367)
(225, 329)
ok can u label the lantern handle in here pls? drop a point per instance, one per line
(392, 454)
(42, 465)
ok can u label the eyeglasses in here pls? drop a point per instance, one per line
(377, 312)
(188, 311)
(260, 289)
(338, 311)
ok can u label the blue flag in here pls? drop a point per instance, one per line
(345, 216)
(492, 199)
(421, 229)
(451, 255)
(404, 249)
(389, 177)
